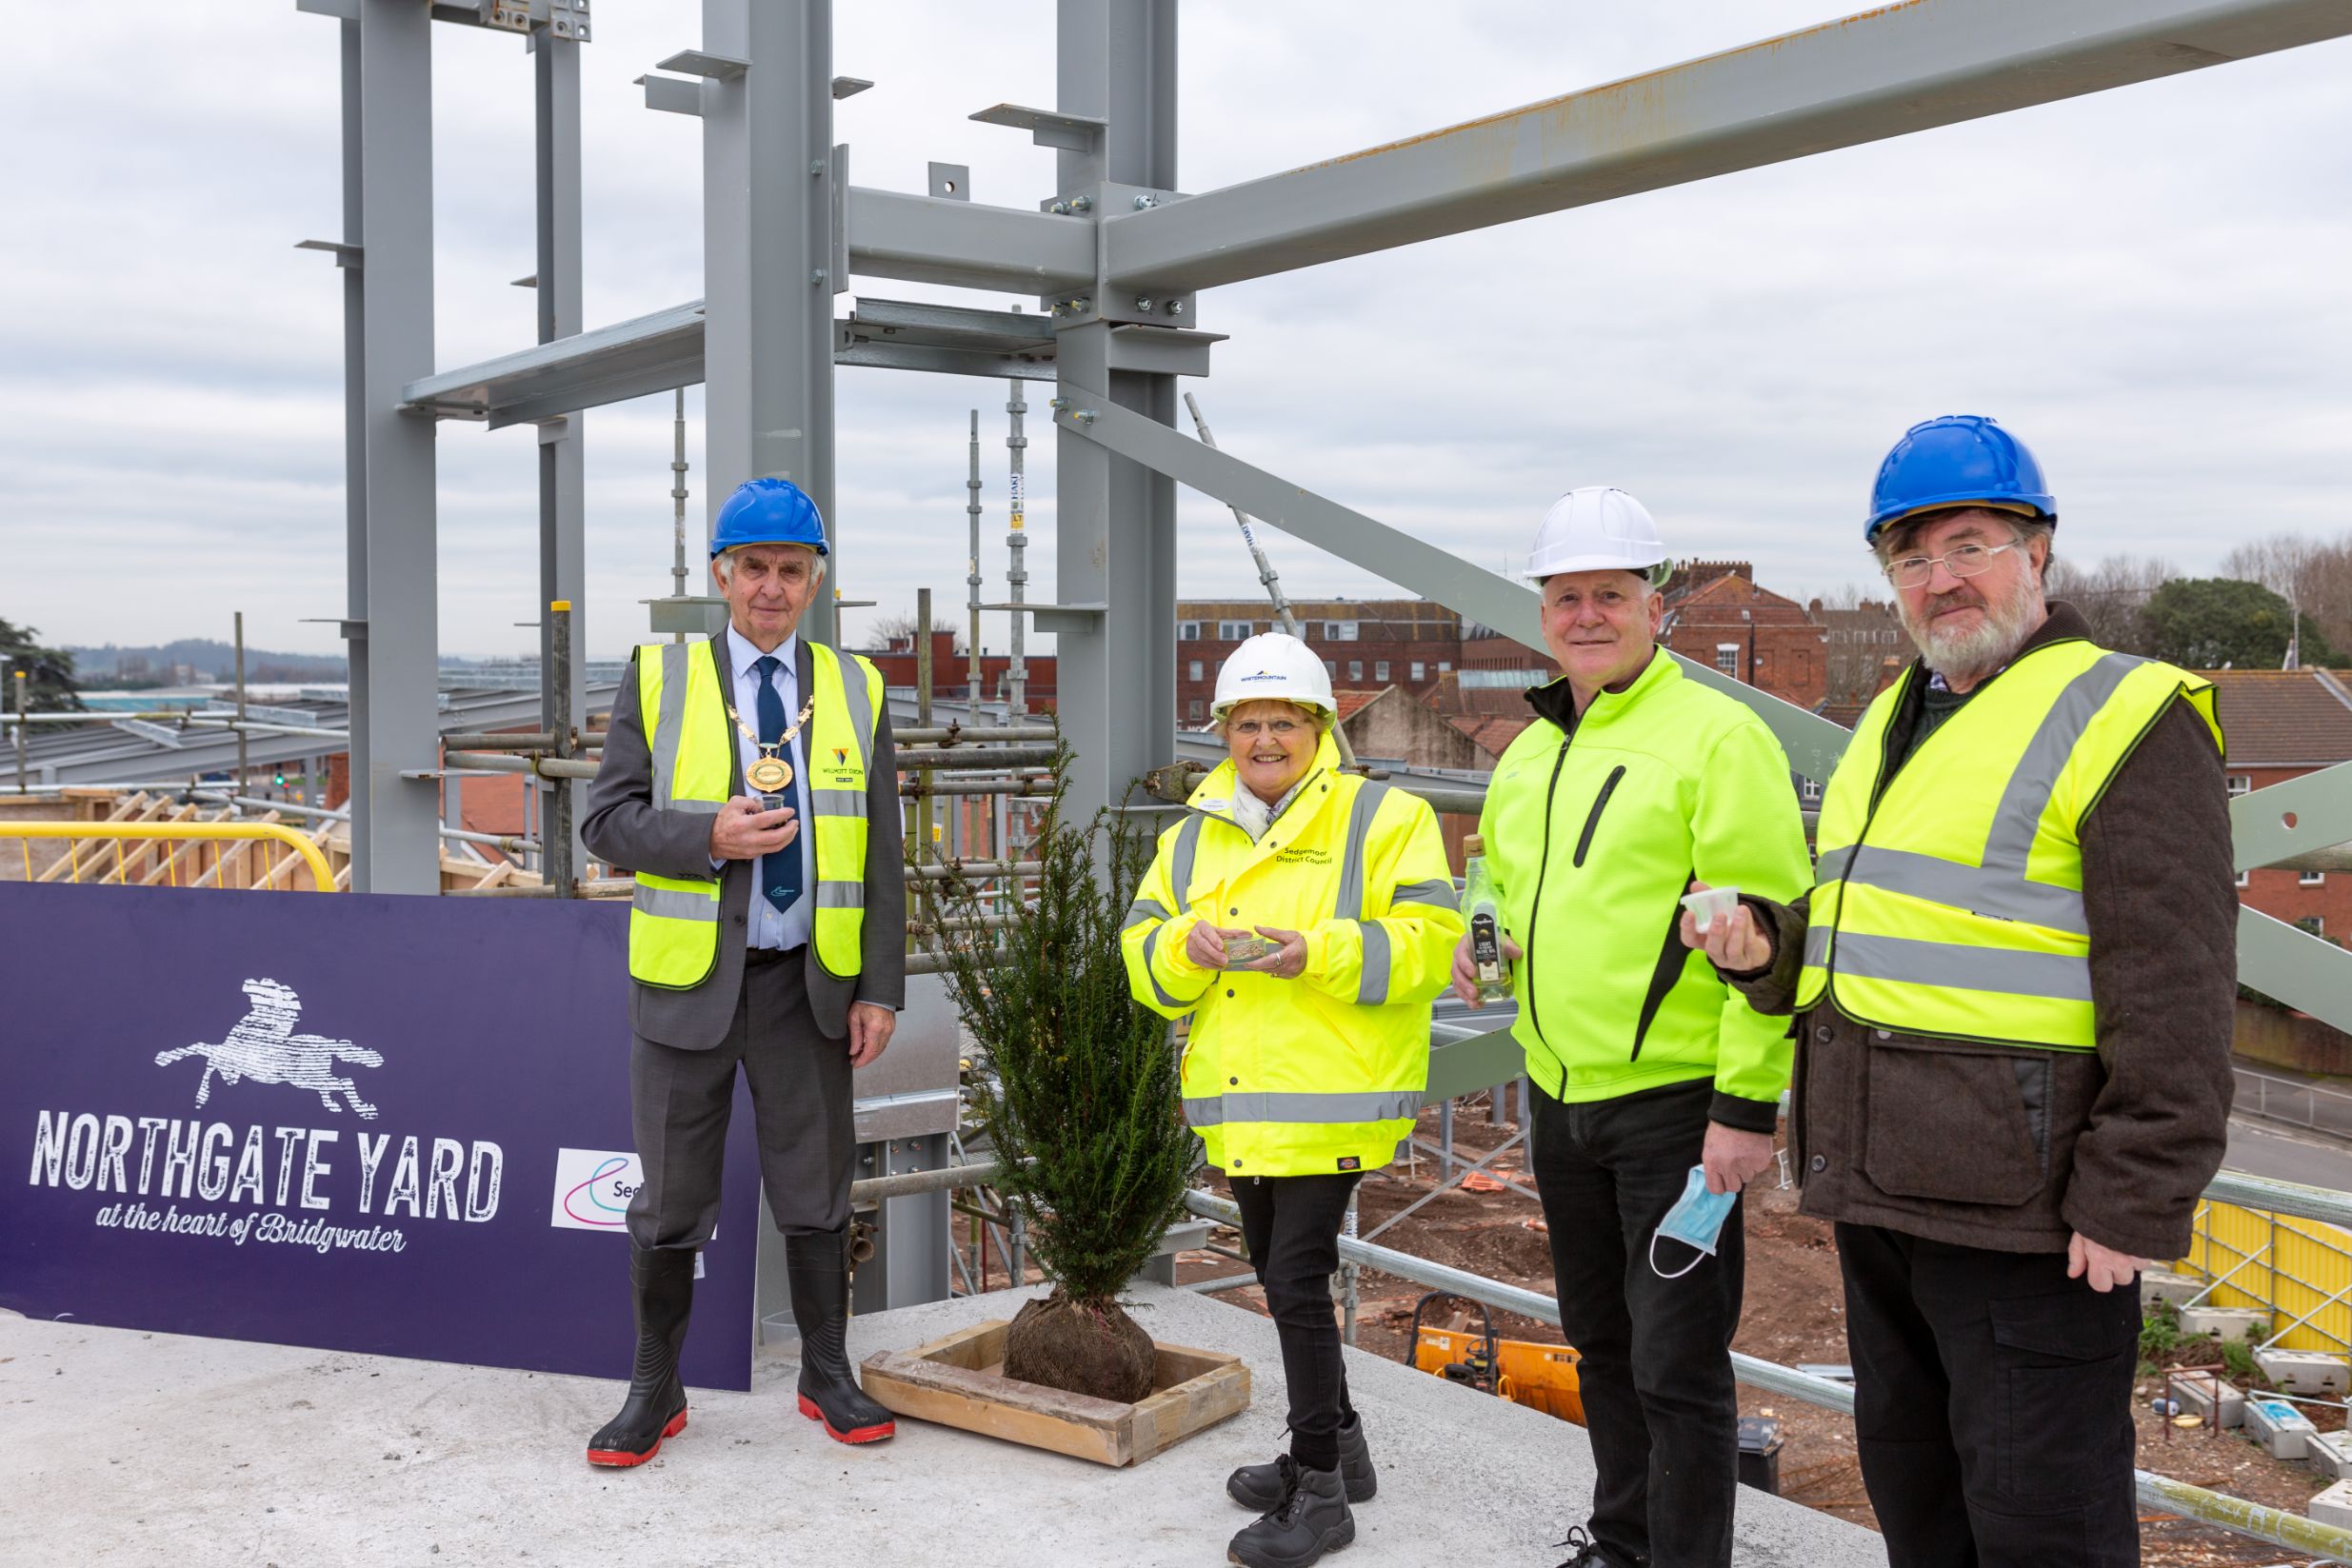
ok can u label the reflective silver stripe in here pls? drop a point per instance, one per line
(1158, 990)
(860, 700)
(1349, 904)
(1372, 990)
(2057, 975)
(1141, 910)
(669, 724)
(708, 808)
(838, 802)
(2028, 790)
(840, 895)
(1832, 865)
(1304, 1109)
(1437, 890)
(670, 904)
(1988, 890)
(1179, 859)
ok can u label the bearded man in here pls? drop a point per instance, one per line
(2015, 977)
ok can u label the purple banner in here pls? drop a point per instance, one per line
(396, 1125)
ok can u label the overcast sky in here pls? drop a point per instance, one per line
(2147, 283)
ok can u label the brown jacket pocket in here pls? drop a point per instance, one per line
(1956, 1124)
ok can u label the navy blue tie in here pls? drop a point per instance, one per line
(780, 873)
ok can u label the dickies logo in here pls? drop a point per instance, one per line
(1351, 1163)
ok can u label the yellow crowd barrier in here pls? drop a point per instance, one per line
(323, 879)
(2297, 1270)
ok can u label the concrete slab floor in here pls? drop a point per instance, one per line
(149, 1448)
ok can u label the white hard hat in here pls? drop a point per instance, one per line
(1596, 528)
(1274, 665)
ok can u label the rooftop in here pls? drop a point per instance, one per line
(2277, 718)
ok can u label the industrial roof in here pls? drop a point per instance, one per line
(2284, 717)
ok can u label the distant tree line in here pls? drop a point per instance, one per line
(49, 686)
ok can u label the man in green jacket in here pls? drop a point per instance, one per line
(1647, 1069)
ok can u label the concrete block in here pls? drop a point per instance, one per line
(2206, 1393)
(2330, 1454)
(2305, 1371)
(2278, 1427)
(2333, 1506)
(2179, 1289)
(2227, 1323)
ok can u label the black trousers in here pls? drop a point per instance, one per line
(1290, 1225)
(1992, 1405)
(680, 1103)
(1660, 1402)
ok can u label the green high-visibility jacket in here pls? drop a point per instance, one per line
(673, 921)
(1321, 1072)
(1595, 826)
(1949, 899)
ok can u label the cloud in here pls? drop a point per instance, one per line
(2143, 281)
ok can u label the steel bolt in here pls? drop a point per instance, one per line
(1084, 416)
(1082, 204)
(1060, 209)
(1175, 308)
(817, 275)
(1146, 199)
(1082, 305)
(1143, 302)
(1057, 403)
(816, 166)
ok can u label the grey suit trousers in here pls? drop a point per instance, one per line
(680, 1100)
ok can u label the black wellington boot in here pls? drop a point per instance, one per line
(1259, 1486)
(664, 1282)
(829, 1390)
(1310, 1519)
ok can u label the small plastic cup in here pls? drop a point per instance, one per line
(1711, 904)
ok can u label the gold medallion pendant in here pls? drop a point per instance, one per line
(770, 775)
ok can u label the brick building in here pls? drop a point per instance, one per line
(1494, 672)
(1366, 644)
(1864, 647)
(2280, 724)
(1715, 615)
(951, 671)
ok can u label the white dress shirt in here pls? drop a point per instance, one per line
(766, 925)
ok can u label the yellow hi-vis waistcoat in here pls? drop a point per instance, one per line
(1951, 904)
(673, 921)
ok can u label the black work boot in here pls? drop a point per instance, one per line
(663, 1283)
(1311, 1518)
(1259, 1486)
(829, 1390)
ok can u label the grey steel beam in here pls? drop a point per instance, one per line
(2288, 963)
(2299, 817)
(966, 245)
(1887, 72)
(1813, 742)
(398, 711)
(355, 452)
(768, 168)
(563, 543)
(1115, 530)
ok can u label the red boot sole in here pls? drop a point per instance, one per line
(620, 1459)
(857, 1434)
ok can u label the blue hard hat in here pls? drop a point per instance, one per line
(1959, 460)
(768, 511)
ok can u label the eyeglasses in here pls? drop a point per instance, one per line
(1913, 571)
(1250, 729)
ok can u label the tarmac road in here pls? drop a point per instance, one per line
(2288, 1154)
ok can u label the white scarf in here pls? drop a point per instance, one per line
(1252, 815)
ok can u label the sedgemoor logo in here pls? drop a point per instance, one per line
(263, 1046)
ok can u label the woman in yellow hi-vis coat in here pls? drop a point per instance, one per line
(1306, 917)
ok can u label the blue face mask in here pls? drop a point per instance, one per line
(1696, 1218)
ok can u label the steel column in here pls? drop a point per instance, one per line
(354, 460)
(562, 548)
(1115, 520)
(394, 704)
(769, 273)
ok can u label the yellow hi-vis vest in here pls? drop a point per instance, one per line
(673, 921)
(1322, 1073)
(1948, 901)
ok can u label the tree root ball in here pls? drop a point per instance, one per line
(1085, 1347)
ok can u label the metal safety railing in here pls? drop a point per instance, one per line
(166, 869)
(2298, 1104)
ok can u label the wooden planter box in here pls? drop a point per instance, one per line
(959, 1380)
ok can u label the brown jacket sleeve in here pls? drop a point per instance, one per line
(2160, 897)
(1772, 989)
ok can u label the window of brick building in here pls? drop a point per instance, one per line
(1379, 669)
(1445, 665)
(1727, 658)
(1194, 707)
(1187, 632)
(1355, 670)
(2241, 783)
(1232, 632)
(2311, 879)
(1420, 672)
(1339, 631)
(1193, 671)
(2315, 925)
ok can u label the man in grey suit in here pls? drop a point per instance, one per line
(767, 930)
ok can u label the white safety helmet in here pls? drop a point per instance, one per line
(1597, 528)
(1274, 665)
